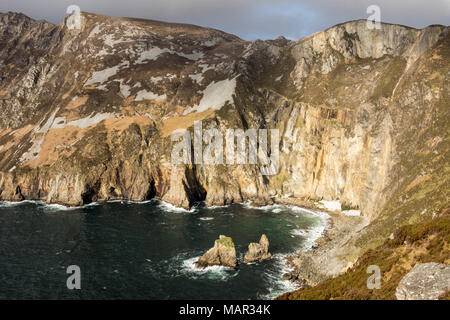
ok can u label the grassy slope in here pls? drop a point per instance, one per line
(415, 243)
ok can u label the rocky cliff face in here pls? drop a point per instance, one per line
(426, 281)
(86, 115)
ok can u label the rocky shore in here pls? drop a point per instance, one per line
(331, 254)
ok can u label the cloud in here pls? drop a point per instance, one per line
(249, 19)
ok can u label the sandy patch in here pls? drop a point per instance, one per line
(57, 143)
(183, 122)
(77, 102)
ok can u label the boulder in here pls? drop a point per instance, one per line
(258, 251)
(222, 254)
(426, 281)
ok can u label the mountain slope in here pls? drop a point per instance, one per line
(86, 115)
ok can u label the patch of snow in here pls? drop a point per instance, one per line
(103, 75)
(330, 205)
(198, 77)
(154, 53)
(352, 212)
(150, 116)
(102, 53)
(151, 54)
(91, 120)
(195, 55)
(125, 90)
(111, 41)
(94, 31)
(221, 55)
(215, 95)
(212, 42)
(155, 80)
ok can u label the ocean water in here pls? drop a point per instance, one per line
(129, 250)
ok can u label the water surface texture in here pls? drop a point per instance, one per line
(144, 250)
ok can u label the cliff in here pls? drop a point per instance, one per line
(86, 115)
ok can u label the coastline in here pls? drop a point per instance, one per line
(331, 255)
(306, 267)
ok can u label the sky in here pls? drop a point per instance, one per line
(248, 19)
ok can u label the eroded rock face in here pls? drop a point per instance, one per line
(87, 114)
(258, 251)
(222, 254)
(426, 281)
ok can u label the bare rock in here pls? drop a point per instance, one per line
(426, 281)
(258, 251)
(222, 254)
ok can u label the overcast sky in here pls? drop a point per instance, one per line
(249, 19)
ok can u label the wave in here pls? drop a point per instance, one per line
(60, 207)
(45, 205)
(217, 207)
(212, 272)
(130, 201)
(165, 206)
(276, 208)
(277, 285)
(7, 204)
(311, 234)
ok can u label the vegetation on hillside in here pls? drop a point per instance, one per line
(411, 244)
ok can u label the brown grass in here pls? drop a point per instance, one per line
(426, 241)
(183, 122)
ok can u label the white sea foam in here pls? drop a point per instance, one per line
(213, 272)
(311, 234)
(50, 206)
(206, 218)
(278, 285)
(7, 204)
(275, 208)
(129, 201)
(171, 208)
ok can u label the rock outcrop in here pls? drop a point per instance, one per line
(426, 281)
(258, 251)
(222, 254)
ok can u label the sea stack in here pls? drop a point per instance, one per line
(258, 251)
(222, 254)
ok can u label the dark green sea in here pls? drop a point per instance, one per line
(145, 250)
